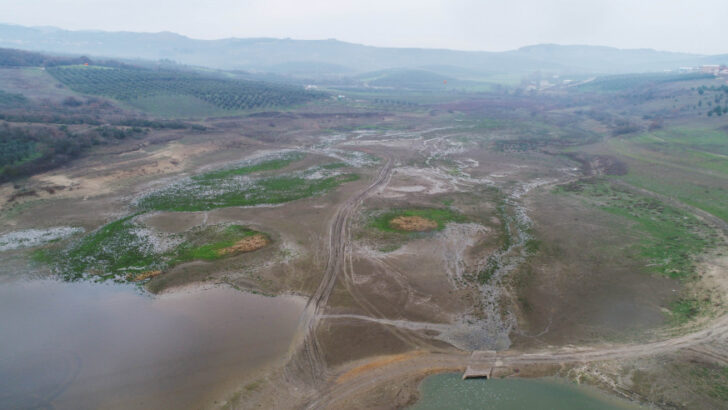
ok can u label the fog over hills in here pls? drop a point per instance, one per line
(333, 57)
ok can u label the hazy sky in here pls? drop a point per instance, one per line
(699, 26)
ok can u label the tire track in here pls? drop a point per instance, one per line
(716, 334)
(309, 357)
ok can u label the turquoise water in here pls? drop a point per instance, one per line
(448, 391)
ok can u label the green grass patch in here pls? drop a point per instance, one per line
(123, 249)
(226, 188)
(683, 310)
(44, 255)
(111, 252)
(713, 380)
(505, 236)
(441, 216)
(690, 165)
(176, 106)
(211, 241)
(532, 246)
(622, 82)
(699, 139)
(267, 165)
(490, 124)
(669, 237)
(703, 193)
(689, 149)
(491, 267)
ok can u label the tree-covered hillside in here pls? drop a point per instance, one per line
(128, 84)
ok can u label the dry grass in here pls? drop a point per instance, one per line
(248, 244)
(145, 275)
(413, 223)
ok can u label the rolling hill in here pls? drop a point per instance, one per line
(337, 58)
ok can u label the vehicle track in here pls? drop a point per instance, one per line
(310, 356)
(706, 342)
(335, 393)
(332, 393)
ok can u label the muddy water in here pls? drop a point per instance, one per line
(83, 345)
(448, 391)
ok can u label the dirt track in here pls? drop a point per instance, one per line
(310, 359)
(421, 364)
(333, 393)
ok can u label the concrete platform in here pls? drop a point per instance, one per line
(478, 373)
(482, 365)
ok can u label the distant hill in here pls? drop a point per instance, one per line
(337, 58)
(161, 91)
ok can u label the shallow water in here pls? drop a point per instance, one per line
(448, 391)
(84, 345)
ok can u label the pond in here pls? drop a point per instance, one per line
(449, 391)
(86, 345)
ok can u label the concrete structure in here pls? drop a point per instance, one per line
(487, 359)
(478, 373)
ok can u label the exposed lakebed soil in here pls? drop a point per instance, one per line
(439, 246)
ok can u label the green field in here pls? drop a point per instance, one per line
(207, 243)
(123, 249)
(111, 252)
(704, 149)
(176, 106)
(690, 165)
(260, 166)
(669, 239)
(233, 187)
(623, 82)
(179, 92)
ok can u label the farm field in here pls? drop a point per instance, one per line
(173, 93)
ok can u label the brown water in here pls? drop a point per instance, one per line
(83, 345)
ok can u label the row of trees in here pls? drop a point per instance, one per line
(718, 110)
(18, 58)
(703, 89)
(624, 82)
(11, 99)
(131, 83)
(719, 92)
(10, 57)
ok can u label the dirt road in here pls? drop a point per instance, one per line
(337, 392)
(309, 358)
(334, 390)
(334, 393)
